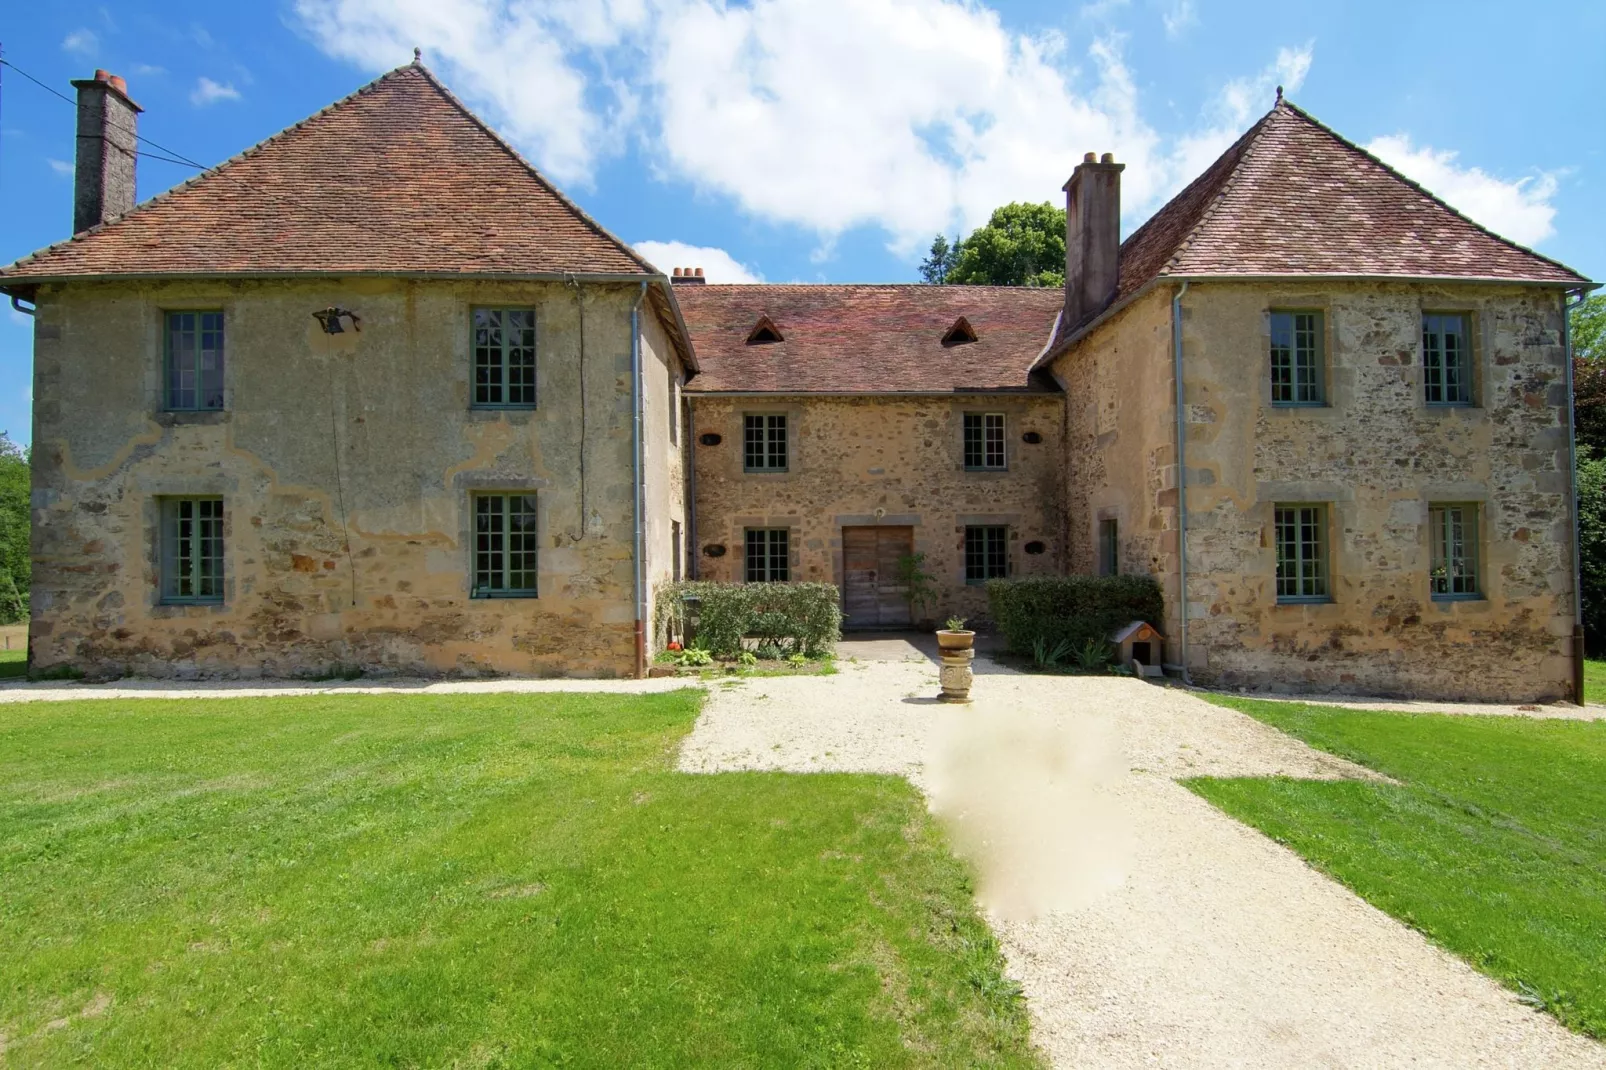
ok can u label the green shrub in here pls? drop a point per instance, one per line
(797, 618)
(1034, 614)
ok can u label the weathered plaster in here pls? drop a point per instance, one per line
(363, 435)
(882, 460)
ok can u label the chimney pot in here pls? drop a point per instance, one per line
(699, 273)
(1088, 157)
(103, 174)
(677, 273)
(1108, 157)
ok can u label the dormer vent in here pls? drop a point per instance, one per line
(764, 332)
(960, 333)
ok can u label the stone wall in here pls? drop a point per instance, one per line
(367, 436)
(1120, 452)
(1378, 455)
(894, 461)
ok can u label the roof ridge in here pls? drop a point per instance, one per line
(1429, 194)
(210, 172)
(563, 198)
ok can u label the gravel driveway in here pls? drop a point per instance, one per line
(1147, 928)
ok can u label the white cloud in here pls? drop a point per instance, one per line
(207, 92)
(148, 70)
(84, 42)
(1179, 17)
(717, 264)
(914, 116)
(1519, 209)
(61, 167)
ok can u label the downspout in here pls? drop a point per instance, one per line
(1572, 487)
(16, 303)
(691, 487)
(1182, 483)
(640, 542)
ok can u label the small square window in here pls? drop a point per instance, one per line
(1453, 530)
(1301, 536)
(986, 552)
(505, 546)
(1446, 359)
(768, 557)
(192, 550)
(764, 443)
(504, 358)
(194, 361)
(984, 440)
(1296, 358)
(1109, 548)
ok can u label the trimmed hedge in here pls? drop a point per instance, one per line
(801, 618)
(1077, 608)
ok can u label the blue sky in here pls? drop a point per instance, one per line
(827, 140)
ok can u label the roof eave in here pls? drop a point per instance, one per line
(1069, 342)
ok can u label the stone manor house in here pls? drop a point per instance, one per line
(374, 393)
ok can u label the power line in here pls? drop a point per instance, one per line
(173, 155)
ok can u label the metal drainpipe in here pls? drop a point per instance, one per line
(1572, 486)
(690, 537)
(16, 303)
(1182, 482)
(639, 555)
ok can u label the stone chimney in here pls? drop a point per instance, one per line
(1092, 237)
(685, 276)
(103, 178)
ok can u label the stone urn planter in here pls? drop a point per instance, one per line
(962, 639)
(955, 643)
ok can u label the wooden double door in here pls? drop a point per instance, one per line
(872, 597)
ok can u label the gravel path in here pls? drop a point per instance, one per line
(1146, 927)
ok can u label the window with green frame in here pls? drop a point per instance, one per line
(193, 362)
(768, 555)
(1109, 547)
(1301, 538)
(764, 442)
(1296, 358)
(504, 358)
(1446, 358)
(191, 542)
(986, 552)
(1453, 530)
(984, 440)
(505, 545)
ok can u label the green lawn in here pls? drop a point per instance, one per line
(1594, 681)
(1494, 844)
(13, 663)
(469, 880)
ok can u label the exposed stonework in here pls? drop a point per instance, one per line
(1376, 453)
(867, 461)
(369, 433)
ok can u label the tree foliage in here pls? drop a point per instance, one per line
(1592, 546)
(1021, 245)
(1588, 327)
(15, 567)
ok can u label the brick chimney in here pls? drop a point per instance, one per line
(685, 276)
(103, 178)
(1092, 237)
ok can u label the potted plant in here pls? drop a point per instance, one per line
(955, 636)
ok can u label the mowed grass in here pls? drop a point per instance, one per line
(1493, 844)
(1594, 681)
(469, 880)
(14, 663)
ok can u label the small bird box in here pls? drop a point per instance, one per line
(1140, 646)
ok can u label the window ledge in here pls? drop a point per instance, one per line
(994, 471)
(766, 471)
(491, 596)
(180, 607)
(178, 417)
(1285, 600)
(1307, 405)
(1458, 598)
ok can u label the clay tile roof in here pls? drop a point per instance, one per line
(398, 178)
(1291, 197)
(868, 339)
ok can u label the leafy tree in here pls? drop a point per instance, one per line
(1592, 546)
(934, 268)
(1021, 245)
(15, 567)
(1588, 327)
